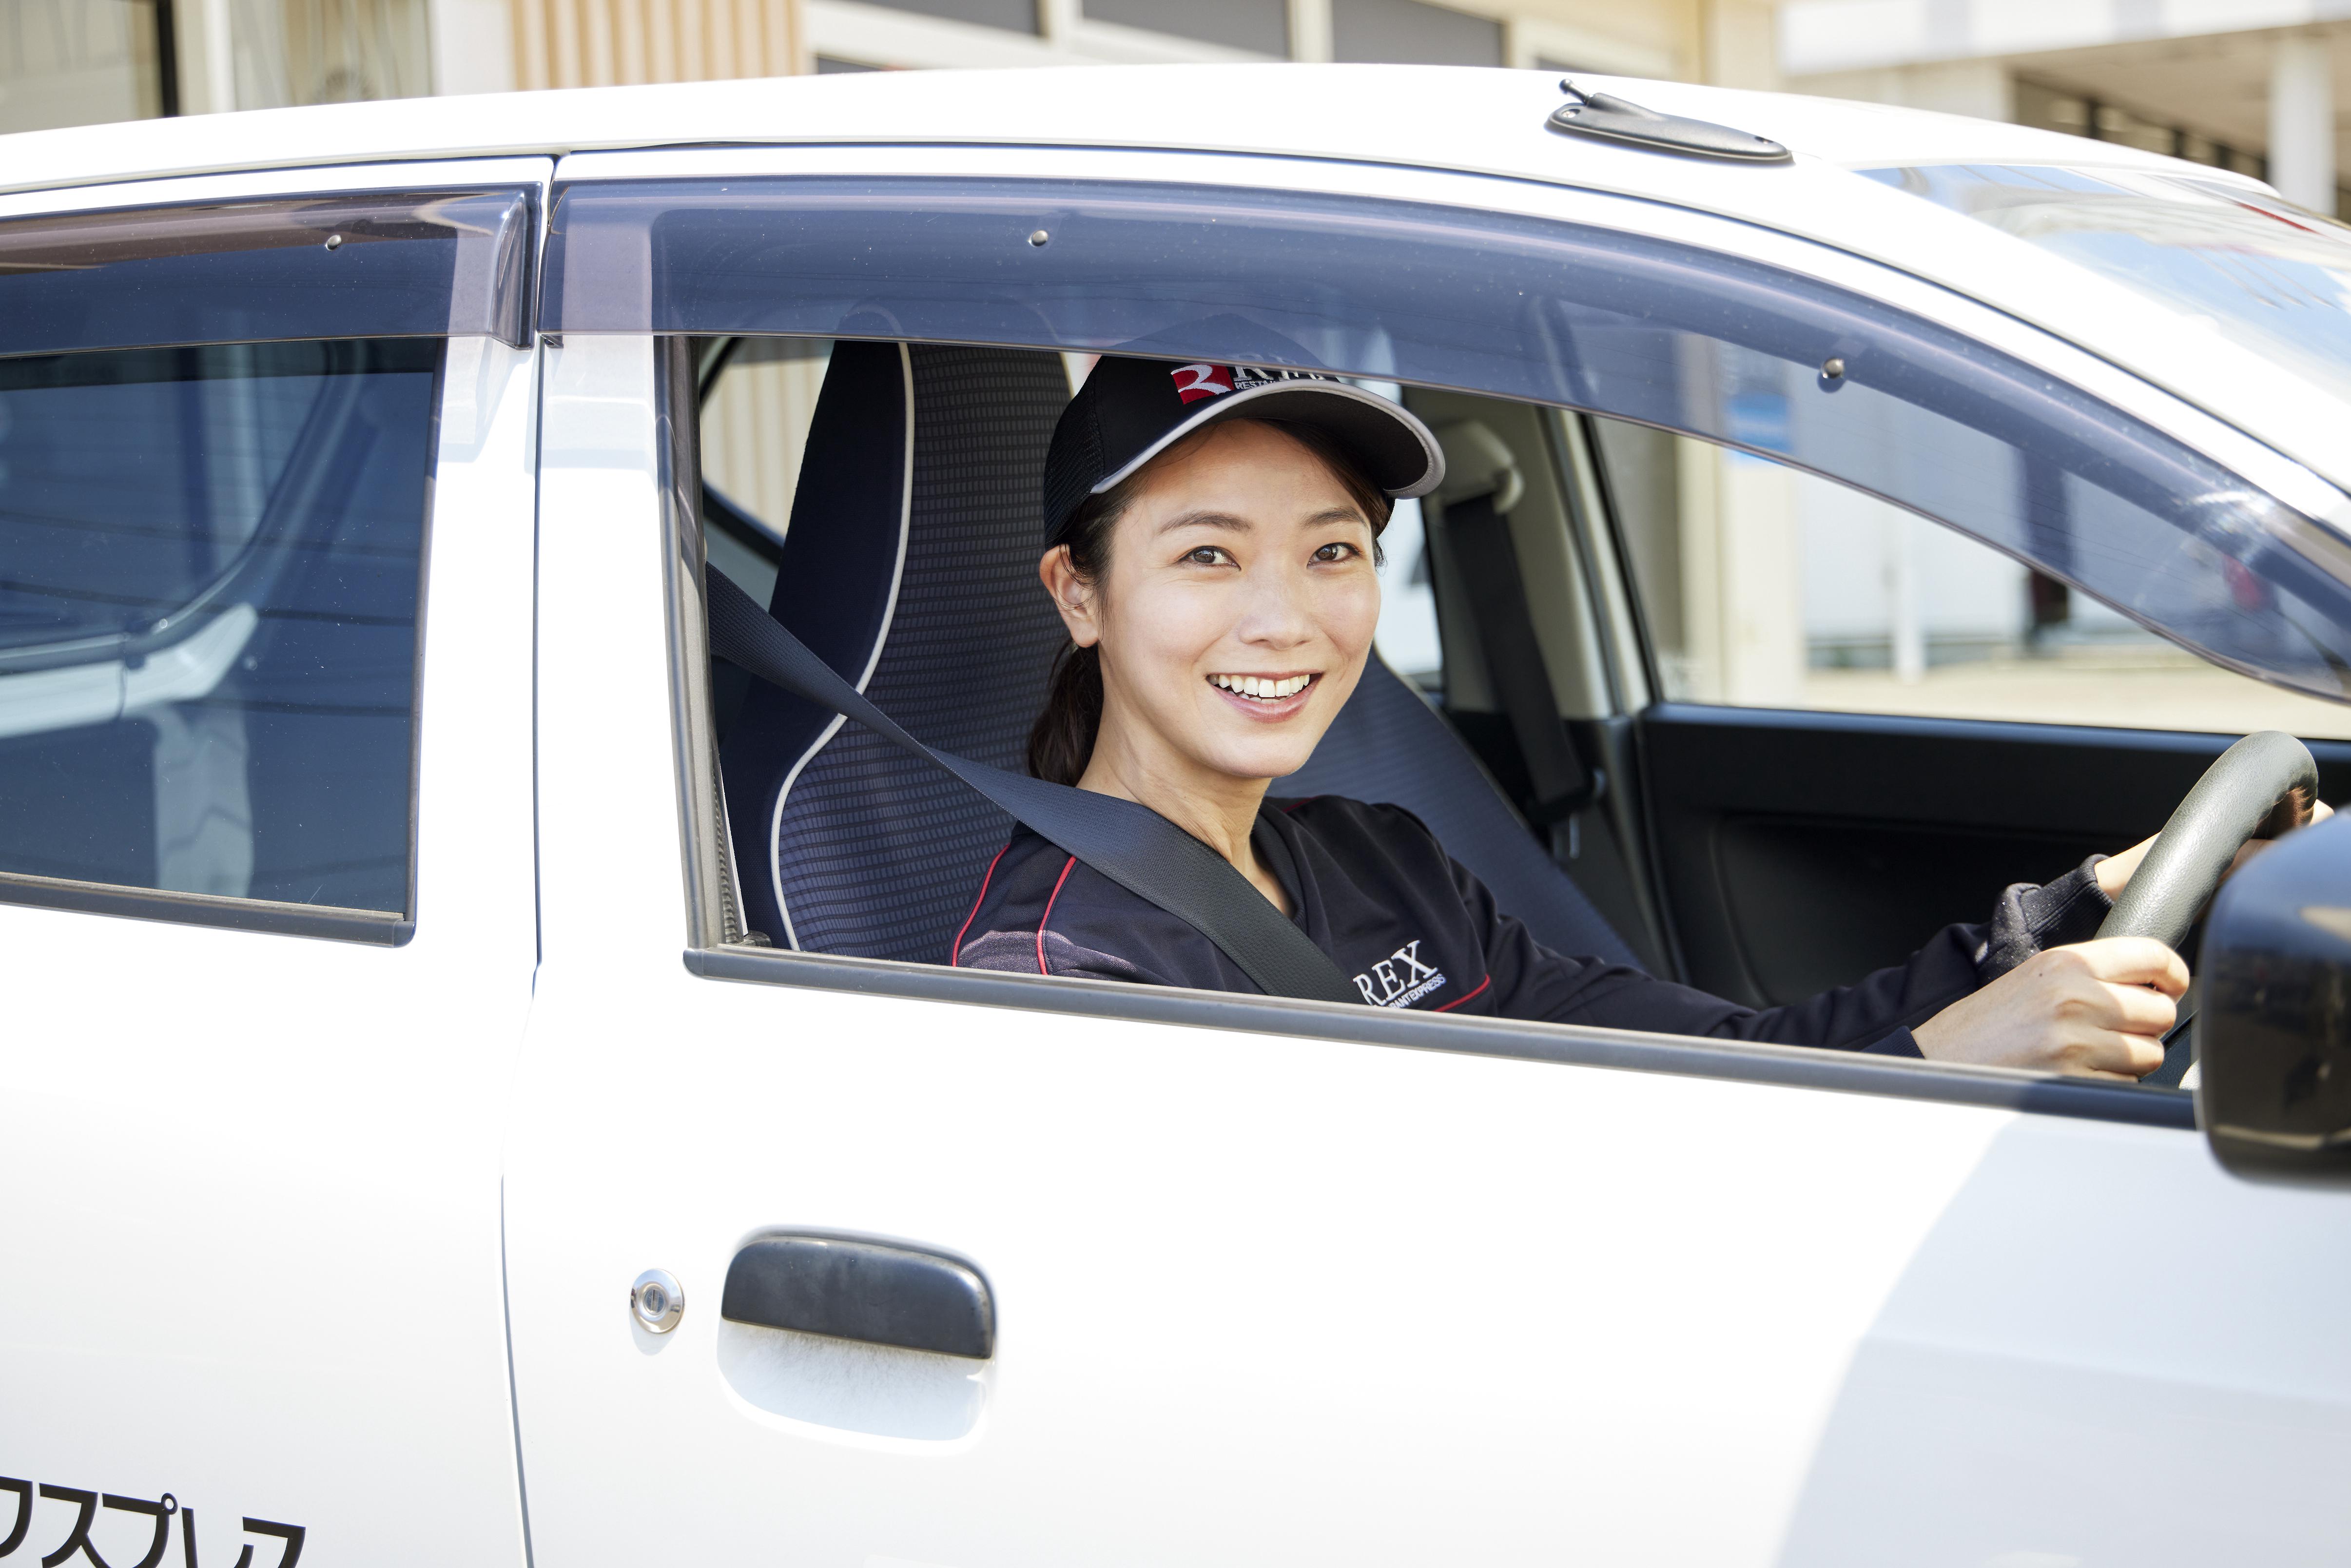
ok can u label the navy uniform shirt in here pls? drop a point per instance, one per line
(1373, 889)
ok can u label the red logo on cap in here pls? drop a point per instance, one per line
(1193, 382)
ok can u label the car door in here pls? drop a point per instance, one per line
(266, 885)
(1270, 1280)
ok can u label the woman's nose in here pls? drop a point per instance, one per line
(1276, 614)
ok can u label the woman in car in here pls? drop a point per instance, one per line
(1210, 545)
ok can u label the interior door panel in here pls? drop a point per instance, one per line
(1798, 851)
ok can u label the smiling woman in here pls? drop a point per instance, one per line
(1211, 651)
(1210, 544)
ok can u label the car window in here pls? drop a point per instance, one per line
(1764, 586)
(208, 617)
(1711, 344)
(758, 397)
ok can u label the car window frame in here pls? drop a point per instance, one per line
(610, 269)
(716, 948)
(385, 928)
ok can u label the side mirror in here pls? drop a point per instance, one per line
(2274, 1030)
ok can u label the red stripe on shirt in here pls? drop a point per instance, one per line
(1049, 914)
(1470, 998)
(955, 955)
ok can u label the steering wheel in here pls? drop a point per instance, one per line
(2259, 788)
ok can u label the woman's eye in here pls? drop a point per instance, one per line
(1334, 552)
(1206, 555)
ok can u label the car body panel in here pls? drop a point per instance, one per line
(1264, 1296)
(254, 1236)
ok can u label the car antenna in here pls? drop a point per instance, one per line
(1612, 118)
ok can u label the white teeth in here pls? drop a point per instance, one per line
(1262, 688)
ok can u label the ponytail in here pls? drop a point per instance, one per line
(1061, 742)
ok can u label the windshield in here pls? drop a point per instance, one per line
(2221, 257)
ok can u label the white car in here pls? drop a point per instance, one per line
(485, 1083)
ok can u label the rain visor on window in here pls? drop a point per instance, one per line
(432, 265)
(1714, 345)
(2220, 257)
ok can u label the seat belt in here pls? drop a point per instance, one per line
(1488, 564)
(1132, 845)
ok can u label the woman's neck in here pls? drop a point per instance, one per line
(1215, 808)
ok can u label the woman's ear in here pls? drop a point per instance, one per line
(1072, 595)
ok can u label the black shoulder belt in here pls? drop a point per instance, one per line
(1132, 845)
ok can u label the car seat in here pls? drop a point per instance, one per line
(910, 566)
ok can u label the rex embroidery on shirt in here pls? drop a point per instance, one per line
(1399, 980)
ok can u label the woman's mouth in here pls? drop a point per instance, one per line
(1266, 696)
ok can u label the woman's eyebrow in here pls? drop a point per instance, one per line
(1225, 520)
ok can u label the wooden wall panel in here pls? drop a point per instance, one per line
(609, 43)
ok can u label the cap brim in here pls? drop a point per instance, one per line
(1396, 451)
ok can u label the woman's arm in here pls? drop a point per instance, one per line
(2043, 1015)
(2099, 1007)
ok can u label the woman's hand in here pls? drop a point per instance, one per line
(2097, 1009)
(2113, 873)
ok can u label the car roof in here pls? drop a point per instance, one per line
(1463, 119)
(1458, 117)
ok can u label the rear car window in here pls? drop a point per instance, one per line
(209, 579)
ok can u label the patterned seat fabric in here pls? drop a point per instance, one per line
(912, 566)
(851, 846)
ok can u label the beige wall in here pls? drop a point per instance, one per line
(569, 43)
(605, 43)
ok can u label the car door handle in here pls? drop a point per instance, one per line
(848, 1288)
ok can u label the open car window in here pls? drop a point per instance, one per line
(1636, 326)
(1764, 586)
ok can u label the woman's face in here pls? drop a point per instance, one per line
(1241, 566)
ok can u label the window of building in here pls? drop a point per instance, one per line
(1407, 32)
(2077, 114)
(1260, 26)
(1012, 16)
(78, 62)
(289, 52)
(208, 617)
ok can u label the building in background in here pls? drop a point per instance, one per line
(2250, 85)
(74, 62)
(1898, 613)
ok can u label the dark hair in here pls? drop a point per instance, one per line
(1061, 742)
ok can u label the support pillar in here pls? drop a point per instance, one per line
(1310, 29)
(2301, 121)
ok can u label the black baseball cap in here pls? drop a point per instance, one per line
(1130, 410)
